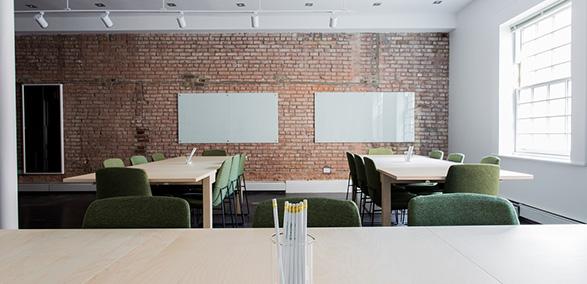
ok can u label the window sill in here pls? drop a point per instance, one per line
(542, 159)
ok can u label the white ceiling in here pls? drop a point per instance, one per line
(419, 6)
(218, 15)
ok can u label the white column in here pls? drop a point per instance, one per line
(8, 162)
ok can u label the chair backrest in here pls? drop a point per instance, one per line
(241, 165)
(380, 151)
(456, 157)
(220, 187)
(113, 163)
(436, 154)
(158, 157)
(492, 160)
(138, 212)
(138, 160)
(361, 176)
(352, 168)
(373, 181)
(473, 178)
(214, 152)
(322, 212)
(115, 182)
(233, 175)
(460, 209)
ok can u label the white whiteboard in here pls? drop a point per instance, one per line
(364, 117)
(227, 118)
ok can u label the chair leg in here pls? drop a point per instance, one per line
(231, 212)
(348, 187)
(362, 206)
(372, 213)
(223, 217)
(245, 194)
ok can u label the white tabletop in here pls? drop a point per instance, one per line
(421, 168)
(170, 171)
(507, 254)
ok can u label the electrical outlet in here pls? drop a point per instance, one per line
(327, 170)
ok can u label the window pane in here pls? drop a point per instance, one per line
(540, 93)
(557, 90)
(557, 107)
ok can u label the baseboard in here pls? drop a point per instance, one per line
(540, 216)
(56, 187)
(265, 186)
(316, 186)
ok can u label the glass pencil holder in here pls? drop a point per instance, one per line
(301, 274)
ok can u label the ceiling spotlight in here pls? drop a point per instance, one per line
(40, 18)
(171, 4)
(377, 4)
(106, 19)
(99, 5)
(308, 4)
(30, 6)
(333, 21)
(181, 20)
(436, 2)
(240, 4)
(255, 20)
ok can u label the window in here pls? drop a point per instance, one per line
(542, 82)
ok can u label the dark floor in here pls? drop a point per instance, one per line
(66, 210)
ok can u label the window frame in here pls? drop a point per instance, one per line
(516, 30)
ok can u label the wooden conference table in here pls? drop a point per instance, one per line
(499, 254)
(395, 170)
(202, 170)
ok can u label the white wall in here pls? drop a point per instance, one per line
(474, 105)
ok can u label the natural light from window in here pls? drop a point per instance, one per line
(542, 82)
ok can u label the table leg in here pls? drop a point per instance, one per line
(207, 202)
(385, 200)
(238, 199)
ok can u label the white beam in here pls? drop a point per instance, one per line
(8, 162)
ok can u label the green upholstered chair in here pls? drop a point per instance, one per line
(322, 212)
(461, 209)
(456, 157)
(138, 212)
(219, 191)
(353, 182)
(158, 157)
(113, 163)
(436, 154)
(472, 178)
(399, 197)
(138, 160)
(214, 152)
(380, 151)
(492, 160)
(115, 182)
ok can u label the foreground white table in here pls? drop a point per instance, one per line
(507, 254)
(395, 170)
(202, 170)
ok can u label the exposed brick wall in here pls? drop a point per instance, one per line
(120, 90)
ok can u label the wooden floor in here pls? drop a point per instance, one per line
(66, 210)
